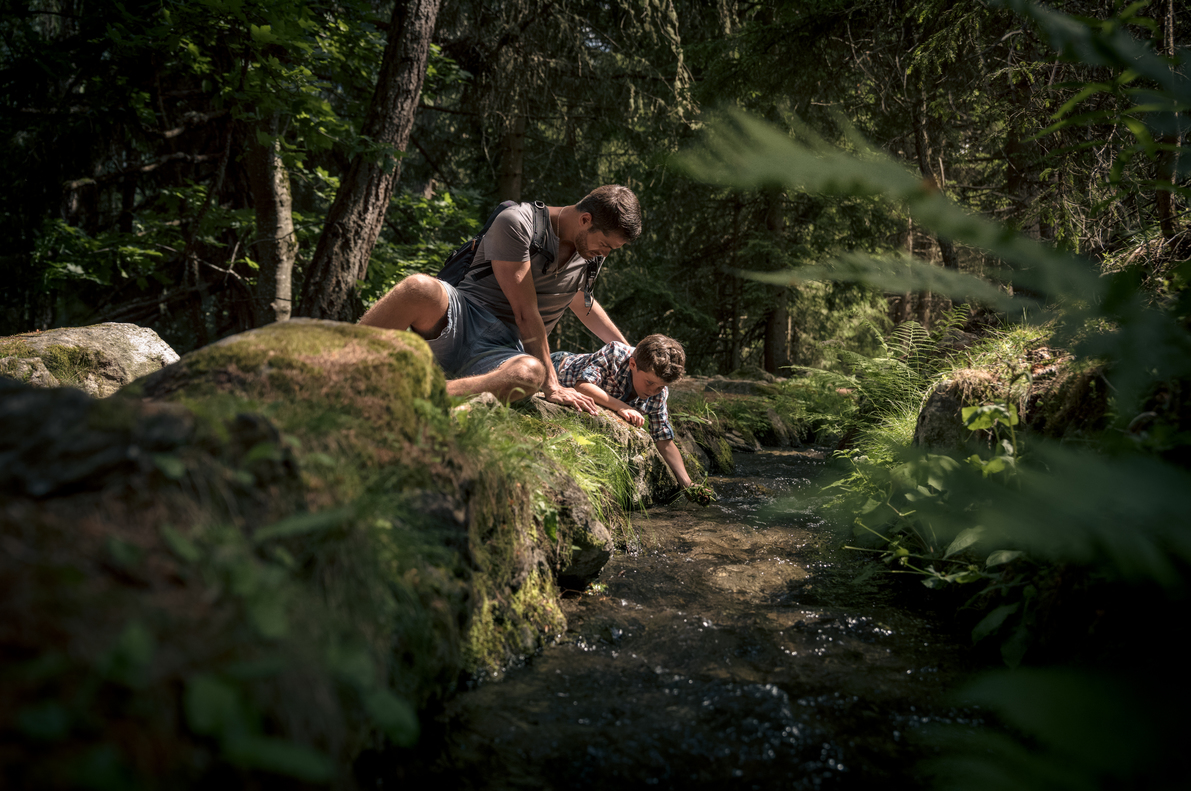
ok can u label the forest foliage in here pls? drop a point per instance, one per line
(813, 175)
(133, 128)
(1050, 542)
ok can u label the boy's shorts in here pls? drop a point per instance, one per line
(474, 341)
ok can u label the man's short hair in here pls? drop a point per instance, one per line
(613, 209)
(661, 356)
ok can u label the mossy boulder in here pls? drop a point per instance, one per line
(711, 439)
(369, 388)
(150, 639)
(99, 359)
(1066, 402)
(940, 424)
(652, 477)
(254, 562)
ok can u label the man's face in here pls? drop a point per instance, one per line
(645, 383)
(590, 243)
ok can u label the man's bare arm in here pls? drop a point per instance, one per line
(516, 281)
(597, 320)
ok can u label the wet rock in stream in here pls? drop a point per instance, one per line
(733, 652)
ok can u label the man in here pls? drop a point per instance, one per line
(489, 334)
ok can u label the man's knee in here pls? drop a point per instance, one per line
(526, 375)
(419, 292)
(418, 302)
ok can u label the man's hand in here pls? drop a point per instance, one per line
(632, 416)
(568, 396)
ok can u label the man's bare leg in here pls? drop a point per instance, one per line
(519, 377)
(418, 303)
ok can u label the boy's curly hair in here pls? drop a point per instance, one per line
(661, 356)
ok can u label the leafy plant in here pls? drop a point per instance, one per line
(700, 493)
(1000, 522)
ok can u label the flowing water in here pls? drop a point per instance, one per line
(735, 650)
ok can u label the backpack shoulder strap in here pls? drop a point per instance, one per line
(541, 227)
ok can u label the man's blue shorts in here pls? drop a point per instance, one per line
(474, 341)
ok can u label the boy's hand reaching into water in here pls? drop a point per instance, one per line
(700, 493)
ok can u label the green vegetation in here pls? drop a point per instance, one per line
(1057, 515)
(868, 165)
(67, 364)
(317, 549)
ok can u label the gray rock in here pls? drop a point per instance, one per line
(690, 447)
(30, 370)
(590, 539)
(739, 442)
(940, 423)
(778, 434)
(119, 353)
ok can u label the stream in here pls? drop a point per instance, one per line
(735, 650)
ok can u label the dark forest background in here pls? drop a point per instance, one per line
(177, 164)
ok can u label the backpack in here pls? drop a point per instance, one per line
(458, 262)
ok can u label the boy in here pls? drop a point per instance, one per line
(632, 383)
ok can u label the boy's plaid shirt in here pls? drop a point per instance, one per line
(608, 369)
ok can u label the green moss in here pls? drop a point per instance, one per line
(12, 368)
(505, 631)
(107, 415)
(315, 378)
(721, 455)
(68, 364)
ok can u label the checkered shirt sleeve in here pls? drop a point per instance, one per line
(608, 368)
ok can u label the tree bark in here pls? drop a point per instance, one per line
(275, 246)
(778, 326)
(1166, 158)
(512, 161)
(776, 356)
(923, 151)
(355, 219)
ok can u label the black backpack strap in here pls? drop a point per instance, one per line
(537, 242)
(541, 227)
(458, 263)
(589, 278)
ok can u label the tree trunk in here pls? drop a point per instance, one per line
(777, 335)
(1166, 158)
(776, 350)
(900, 304)
(512, 161)
(923, 151)
(275, 246)
(355, 219)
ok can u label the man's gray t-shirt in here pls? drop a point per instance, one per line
(508, 240)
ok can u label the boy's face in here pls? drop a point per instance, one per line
(645, 383)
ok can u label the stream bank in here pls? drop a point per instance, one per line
(736, 650)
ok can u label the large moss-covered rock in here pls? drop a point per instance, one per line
(1065, 402)
(132, 590)
(652, 477)
(315, 378)
(98, 359)
(253, 561)
(940, 423)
